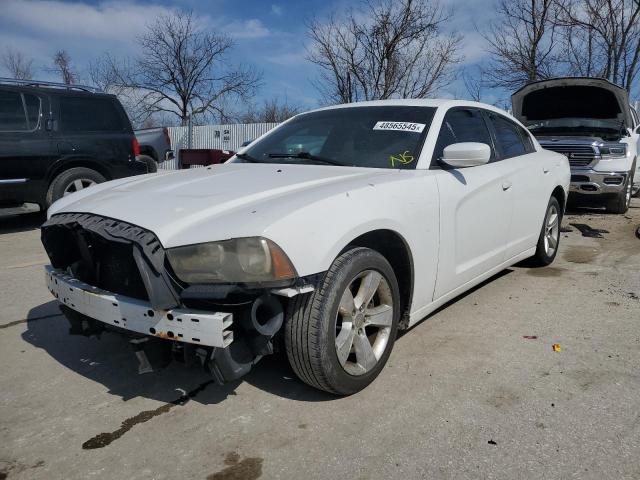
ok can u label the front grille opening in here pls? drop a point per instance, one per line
(613, 180)
(115, 270)
(94, 260)
(588, 188)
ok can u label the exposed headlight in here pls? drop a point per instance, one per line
(240, 260)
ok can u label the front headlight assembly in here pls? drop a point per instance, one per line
(240, 260)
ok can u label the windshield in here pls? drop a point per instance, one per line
(377, 137)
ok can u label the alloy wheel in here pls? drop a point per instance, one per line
(77, 185)
(363, 323)
(551, 231)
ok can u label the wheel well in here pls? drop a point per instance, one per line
(58, 169)
(147, 150)
(558, 192)
(395, 249)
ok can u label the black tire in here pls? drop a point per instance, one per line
(152, 165)
(543, 256)
(311, 324)
(66, 179)
(620, 203)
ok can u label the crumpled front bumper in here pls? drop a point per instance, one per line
(589, 182)
(211, 329)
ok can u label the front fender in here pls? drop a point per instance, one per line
(315, 234)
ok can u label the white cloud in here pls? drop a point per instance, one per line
(115, 20)
(252, 28)
(287, 59)
(277, 10)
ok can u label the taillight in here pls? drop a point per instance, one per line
(165, 130)
(136, 147)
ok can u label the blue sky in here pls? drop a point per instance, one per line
(268, 34)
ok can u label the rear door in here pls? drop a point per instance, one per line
(476, 205)
(25, 146)
(530, 176)
(94, 128)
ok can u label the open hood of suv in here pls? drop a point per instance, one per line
(572, 97)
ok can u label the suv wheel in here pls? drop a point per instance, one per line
(339, 337)
(71, 181)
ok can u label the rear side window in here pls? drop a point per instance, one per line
(89, 115)
(509, 139)
(462, 125)
(18, 111)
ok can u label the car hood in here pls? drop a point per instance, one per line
(572, 97)
(229, 200)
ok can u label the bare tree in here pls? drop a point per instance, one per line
(183, 70)
(522, 42)
(62, 66)
(602, 39)
(384, 49)
(271, 111)
(474, 83)
(18, 66)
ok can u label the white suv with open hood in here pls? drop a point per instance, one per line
(591, 122)
(325, 236)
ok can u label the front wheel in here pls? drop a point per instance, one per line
(549, 239)
(620, 203)
(339, 337)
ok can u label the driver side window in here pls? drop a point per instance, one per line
(461, 125)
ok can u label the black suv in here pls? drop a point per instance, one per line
(56, 139)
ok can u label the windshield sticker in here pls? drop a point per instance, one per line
(405, 158)
(400, 126)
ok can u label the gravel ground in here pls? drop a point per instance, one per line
(464, 395)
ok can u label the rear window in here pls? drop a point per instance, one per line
(509, 138)
(89, 115)
(18, 111)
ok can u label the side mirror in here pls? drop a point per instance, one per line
(466, 154)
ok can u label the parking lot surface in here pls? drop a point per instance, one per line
(474, 391)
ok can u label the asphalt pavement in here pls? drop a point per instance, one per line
(474, 391)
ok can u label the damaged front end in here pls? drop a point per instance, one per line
(109, 275)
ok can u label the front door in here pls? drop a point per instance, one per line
(476, 205)
(25, 147)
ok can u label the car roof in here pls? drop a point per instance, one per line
(417, 102)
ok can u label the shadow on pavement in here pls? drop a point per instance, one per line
(21, 223)
(110, 361)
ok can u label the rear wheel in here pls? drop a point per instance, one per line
(339, 337)
(549, 239)
(152, 165)
(71, 181)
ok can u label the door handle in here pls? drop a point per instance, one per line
(506, 185)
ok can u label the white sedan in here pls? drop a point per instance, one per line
(323, 237)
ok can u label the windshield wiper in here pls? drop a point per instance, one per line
(247, 157)
(306, 156)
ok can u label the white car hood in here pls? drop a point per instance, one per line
(230, 200)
